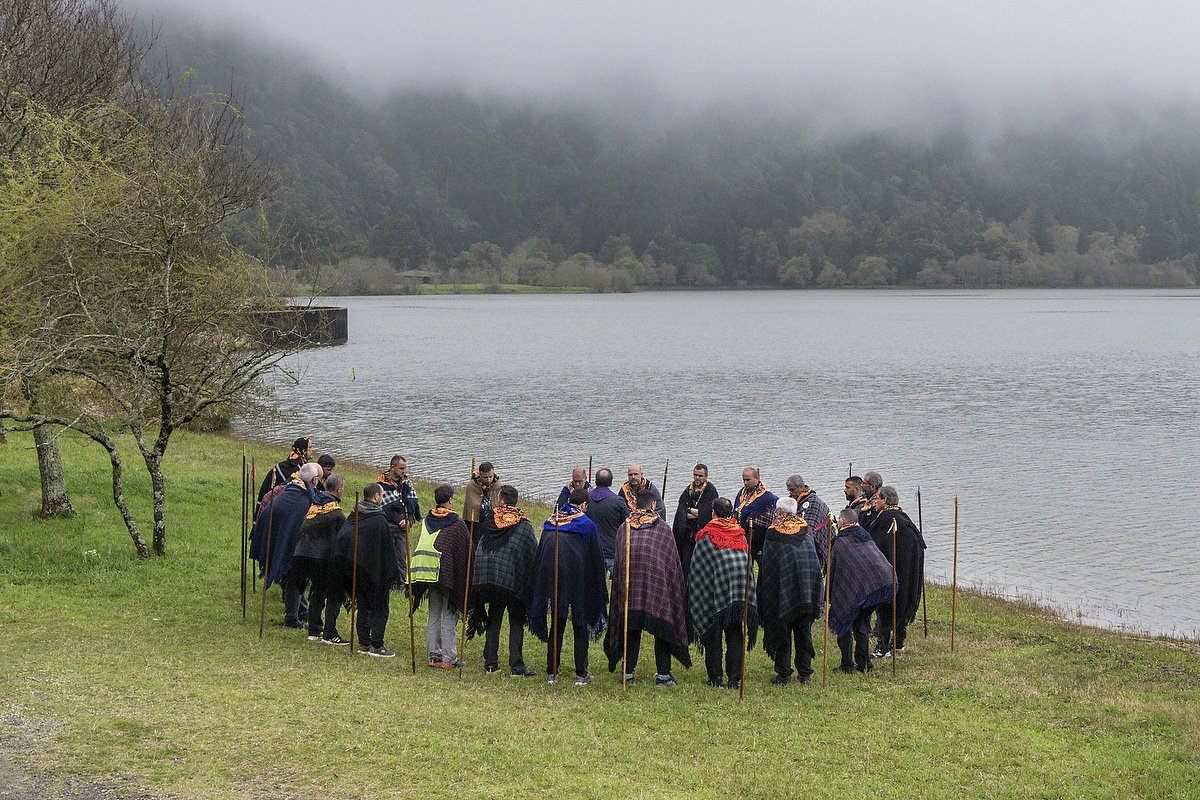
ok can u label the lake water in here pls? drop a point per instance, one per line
(1066, 421)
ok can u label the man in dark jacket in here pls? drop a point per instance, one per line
(502, 580)
(401, 509)
(286, 470)
(693, 513)
(815, 513)
(893, 531)
(860, 578)
(313, 561)
(276, 531)
(790, 593)
(608, 510)
(376, 569)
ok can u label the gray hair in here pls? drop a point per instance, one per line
(890, 495)
(873, 478)
(786, 504)
(848, 516)
(309, 472)
(797, 481)
(335, 482)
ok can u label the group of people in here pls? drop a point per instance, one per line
(608, 563)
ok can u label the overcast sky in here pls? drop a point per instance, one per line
(870, 62)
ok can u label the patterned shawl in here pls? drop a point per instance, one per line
(790, 586)
(452, 542)
(816, 514)
(859, 578)
(717, 582)
(582, 592)
(502, 571)
(277, 529)
(655, 588)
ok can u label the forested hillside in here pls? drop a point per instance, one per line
(494, 190)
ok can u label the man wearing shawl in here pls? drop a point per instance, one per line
(790, 593)
(374, 572)
(579, 480)
(582, 594)
(276, 531)
(815, 513)
(636, 484)
(860, 579)
(313, 561)
(655, 589)
(608, 510)
(694, 511)
(854, 494)
(755, 508)
(717, 594)
(482, 494)
(444, 545)
(286, 470)
(401, 508)
(910, 566)
(502, 580)
(871, 481)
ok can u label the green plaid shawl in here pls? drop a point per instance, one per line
(717, 589)
(791, 586)
(502, 571)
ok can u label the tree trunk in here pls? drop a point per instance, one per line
(118, 491)
(159, 485)
(55, 500)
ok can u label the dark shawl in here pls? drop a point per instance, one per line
(815, 512)
(910, 558)
(717, 590)
(655, 589)
(608, 510)
(377, 568)
(756, 516)
(790, 586)
(582, 593)
(502, 571)
(564, 495)
(453, 543)
(859, 578)
(280, 474)
(686, 529)
(321, 524)
(283, 514)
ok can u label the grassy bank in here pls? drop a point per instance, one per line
(146, 673)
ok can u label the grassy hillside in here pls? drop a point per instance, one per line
(145, 674)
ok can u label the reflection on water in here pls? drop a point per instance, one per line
(1065, 421)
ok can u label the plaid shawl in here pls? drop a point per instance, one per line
(655, 589)
(502, 571)
(717, 590)
(582, 592)
(452, 543)
(859, 578)
(816, 513)
(790, 586)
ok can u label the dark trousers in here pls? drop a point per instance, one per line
(554, 653)
(372, 622)
(733, 652)
(400, 543)
(295, 607)
(662, 652)
(884, 642)
(800, 633)
(324, 605)
(855, 644)
(491, 641)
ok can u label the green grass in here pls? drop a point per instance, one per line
(144, 672)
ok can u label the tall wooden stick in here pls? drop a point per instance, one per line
(954, 580)
(554, 613)
(625, 624)
(828, 582)
(254, 516)
(245, 526)
(851, 473)
(895, 588)
(921, 528)
(589, 470)
(745, 621)
(262, 609)
(354, 576)
(467, 583)
(412, 610)
(663, 489)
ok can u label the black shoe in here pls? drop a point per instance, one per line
(866, 667)
(781, 680)
(848, 669)
(523, 672)
(293, 624)
(491, 668)
(717, 684)
(382, 652)
(733, 684)
(806, 680)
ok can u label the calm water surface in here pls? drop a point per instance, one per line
(1066, 422)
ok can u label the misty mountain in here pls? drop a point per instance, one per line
(723, 196)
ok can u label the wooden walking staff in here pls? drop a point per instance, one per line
(412, 609)
(895, 586)
(554, 613)
(745, 621)
(625, 623)
(354, 576)
(253, 516)
(663, 489)
(467, 583)
(589, 471)
(921, 528)
(954, 580)
(245, 526)
(828, 582)
(262, 609)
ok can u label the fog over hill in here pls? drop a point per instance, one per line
(1046, 144)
